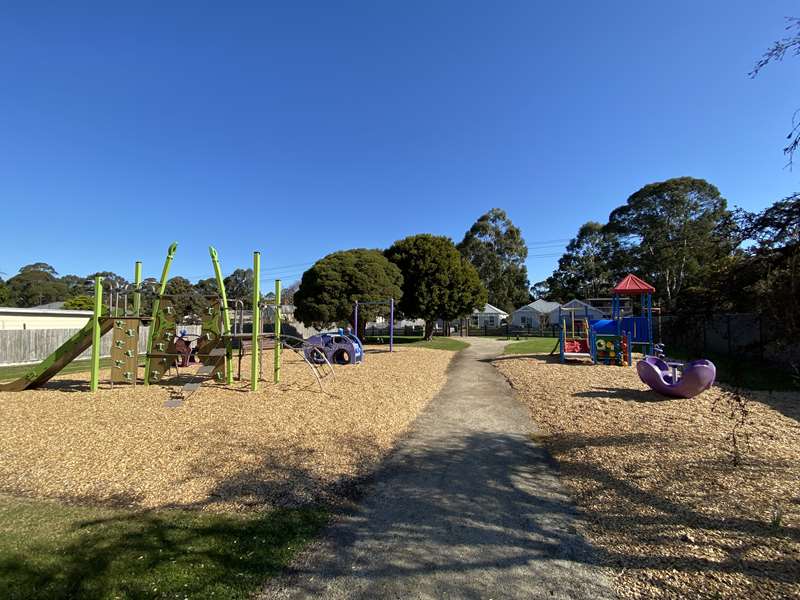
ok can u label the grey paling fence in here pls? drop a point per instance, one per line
(27, 346)
(737, 335)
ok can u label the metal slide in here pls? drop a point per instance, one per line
(65, 354)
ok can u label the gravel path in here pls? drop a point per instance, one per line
(467, 507)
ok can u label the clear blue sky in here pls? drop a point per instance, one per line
(301, 128)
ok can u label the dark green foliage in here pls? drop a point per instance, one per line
(110, 281)
(81, 302)
(438, 283)
(673, 232)
(36, 284)
(330, 287)
(39, 267)
(773, 265)
(185, 299)
(590, 267)
(495, 247)
(239, 286)
(5, 294)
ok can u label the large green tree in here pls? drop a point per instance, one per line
(239, 287)
(5, 294)
(495, 247)
(438, 282)
(36, 284)
(674, 231)
(329, 289)
(590, 266)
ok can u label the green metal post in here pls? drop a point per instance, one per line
(137, 282)
(164, 276)
(226, 317)
(277, 350)
(255, 356)
(98, 309)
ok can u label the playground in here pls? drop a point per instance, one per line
(654, 477)
(227, 448)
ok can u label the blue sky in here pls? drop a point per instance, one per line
(303, 128)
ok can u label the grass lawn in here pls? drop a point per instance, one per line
(534, 345)
(51, 550)
(437, 343)
(76, 366)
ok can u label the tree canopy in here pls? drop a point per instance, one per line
(672, 231)
(438, 282)
(495, 247)
(331, 286)
(590, 266)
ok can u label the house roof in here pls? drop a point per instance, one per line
(631, 284)
(489, 309)
(541, 306)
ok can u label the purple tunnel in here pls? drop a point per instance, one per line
(698, 376)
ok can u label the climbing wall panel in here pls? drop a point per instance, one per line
(125, 350)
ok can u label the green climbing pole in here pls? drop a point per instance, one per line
(137, 283)
(96, 335)
(164, 276)
(255, 356)
(226, 316)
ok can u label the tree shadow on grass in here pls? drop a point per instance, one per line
(155, 554)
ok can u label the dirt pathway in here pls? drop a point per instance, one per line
(467, 507)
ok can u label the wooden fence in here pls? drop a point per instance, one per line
(24, 346)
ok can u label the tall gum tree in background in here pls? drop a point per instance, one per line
(674, 231)
(438, 282)
(331, 286)
(495, 247)
(590, 266)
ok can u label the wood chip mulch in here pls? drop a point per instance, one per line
(660, 497)
(224, 448)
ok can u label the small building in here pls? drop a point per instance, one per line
(42, 318)
(488, 316)
(535, 315)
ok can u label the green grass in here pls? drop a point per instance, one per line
(50, 550)
(534, 345)
(76, 366)
(437, 343)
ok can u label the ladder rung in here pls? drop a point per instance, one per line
(191, 387)
(206, 370)
(217, 352)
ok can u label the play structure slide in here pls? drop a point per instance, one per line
(65, 354)
(698, 376)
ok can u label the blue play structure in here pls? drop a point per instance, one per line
(338, 348)
(609, 341)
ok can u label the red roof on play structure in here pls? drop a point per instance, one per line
(631, 284)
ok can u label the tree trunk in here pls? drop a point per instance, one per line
(429, 326)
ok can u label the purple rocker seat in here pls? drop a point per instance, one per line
(698, 376)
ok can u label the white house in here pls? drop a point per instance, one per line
(488, 316)
(534, 315)
(580, 309)
(42, 318)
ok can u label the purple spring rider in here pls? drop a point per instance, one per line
(664, 378)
